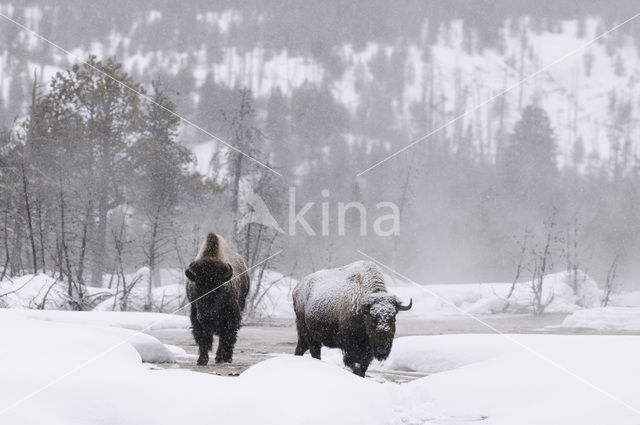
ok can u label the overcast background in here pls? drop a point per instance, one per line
(321, 91)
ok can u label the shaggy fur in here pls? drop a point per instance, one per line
(347, 308)
(217, 288)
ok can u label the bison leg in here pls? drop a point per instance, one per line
(357, 364)
(227, 341)
(314, 348)
(202, 336)
(302, 347)
(205, 341)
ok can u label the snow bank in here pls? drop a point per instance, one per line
(504, 383)
(295, 390)
(513, 379)
(427, 355)
(37, 291)
(149, 348)
(433, 301)
(85, 377)
(127, 320)
(605, 319)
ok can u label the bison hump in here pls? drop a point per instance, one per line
(335, 293)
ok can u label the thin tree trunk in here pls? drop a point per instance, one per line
(63, 245)
(236, 183)
(403, 201)
(83, 246)
(6, 246)
(16, 249)
(24, 165)
(25, 191)
(152, 259)
(42, 237)
(59, 255)
(98, 256)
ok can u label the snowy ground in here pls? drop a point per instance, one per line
(90, 374)
(548, 379)
(66, 367)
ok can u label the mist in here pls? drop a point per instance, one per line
(447, 110)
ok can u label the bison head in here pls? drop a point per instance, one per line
(208, 274)
(379, 312)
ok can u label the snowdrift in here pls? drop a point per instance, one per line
(127, 320)
(433, 301)
(88, 376)
(520, 379)
(148, 348)
(605, 319)
(38, 291)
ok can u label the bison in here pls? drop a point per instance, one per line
(217, 289)
(347, 308)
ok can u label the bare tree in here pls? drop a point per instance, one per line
(405, 196)
(25, 167)
(609, 283)
(542, 263)
(576, 278)
(521, 258)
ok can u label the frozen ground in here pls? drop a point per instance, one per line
(457, 379)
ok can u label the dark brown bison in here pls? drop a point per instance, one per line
(217, 288)
(347, 308)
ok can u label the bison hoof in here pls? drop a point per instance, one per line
(202, 361)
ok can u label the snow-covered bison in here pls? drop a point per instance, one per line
(347, 308)
(217, 288)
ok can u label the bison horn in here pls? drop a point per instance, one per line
(405, 307)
